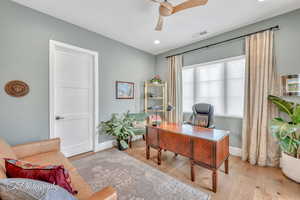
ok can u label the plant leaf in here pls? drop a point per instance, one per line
(296, 115)
(286, 134)
(283, 105)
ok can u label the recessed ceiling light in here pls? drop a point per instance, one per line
(156, 42)
(260, 0)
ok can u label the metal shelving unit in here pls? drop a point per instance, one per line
(156, 95)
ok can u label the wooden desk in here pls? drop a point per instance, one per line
(208, 148)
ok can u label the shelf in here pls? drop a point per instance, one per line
(155, 98)
(155, 85)
(151, 107)
(155, 111)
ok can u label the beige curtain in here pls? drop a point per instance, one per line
(258, 146)
(175, 88)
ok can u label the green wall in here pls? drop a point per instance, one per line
(24, 55)
(287, 48)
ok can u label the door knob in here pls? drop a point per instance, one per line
(59, 118)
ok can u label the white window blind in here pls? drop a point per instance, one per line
(219, 83)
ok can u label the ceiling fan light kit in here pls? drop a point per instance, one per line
(167, 9)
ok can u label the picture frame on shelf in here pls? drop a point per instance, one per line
(291, 85)
(124, 90)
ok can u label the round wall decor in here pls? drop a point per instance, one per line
(16, 88)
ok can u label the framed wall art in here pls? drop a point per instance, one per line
(291, 85)
(16, 88)
(124, 90)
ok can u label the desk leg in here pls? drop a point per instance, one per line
(192, 171)
(148, 152)
(215, 180)
(226, 165)
(130, 142)
(159, 156)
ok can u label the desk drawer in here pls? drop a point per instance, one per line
(176, 143)
(204, 151)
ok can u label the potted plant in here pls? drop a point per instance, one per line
(156, 80)
(119, 127)
(287, 133)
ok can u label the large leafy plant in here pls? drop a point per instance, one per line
(287, 132)
(119, 127)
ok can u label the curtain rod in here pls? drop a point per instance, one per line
(225, 41)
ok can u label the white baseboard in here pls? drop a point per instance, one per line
(109, 144)
(104, 145)
(235, 151)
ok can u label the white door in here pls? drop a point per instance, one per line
(73, 97)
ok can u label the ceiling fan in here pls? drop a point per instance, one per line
(167, 9)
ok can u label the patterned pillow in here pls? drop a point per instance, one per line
(28, 189)
(57, 175)
(139, 124)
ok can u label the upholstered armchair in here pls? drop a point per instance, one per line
(139, 124)
(203, 115)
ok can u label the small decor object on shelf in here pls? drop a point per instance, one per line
(170, 108)
(17, 88)
(287, 132)
(156, 80)
(119, 127)
(291, 85)
(124, 90)
(155, 120)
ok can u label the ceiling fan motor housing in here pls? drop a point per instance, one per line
(166, 9)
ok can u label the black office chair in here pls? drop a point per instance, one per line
(203, 115)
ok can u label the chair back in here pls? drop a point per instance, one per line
(203, 115)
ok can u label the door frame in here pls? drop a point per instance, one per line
(52, 45)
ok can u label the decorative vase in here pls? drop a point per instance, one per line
(290, 167)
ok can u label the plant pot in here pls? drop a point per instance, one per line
(290, 167)
(120, 146)
(155, 82)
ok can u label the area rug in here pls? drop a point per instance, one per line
(133, 179)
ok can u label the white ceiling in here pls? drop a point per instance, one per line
(132, 21)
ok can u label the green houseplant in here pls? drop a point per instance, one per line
(287, 132)
(120, 127)
(156, 79)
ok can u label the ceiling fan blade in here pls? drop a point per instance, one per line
(189, 4)
(160, 23)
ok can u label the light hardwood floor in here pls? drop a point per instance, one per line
(244, 182)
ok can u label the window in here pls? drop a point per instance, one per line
(219, 83)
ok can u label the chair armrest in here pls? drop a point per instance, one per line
(34, 148)
(108, 193)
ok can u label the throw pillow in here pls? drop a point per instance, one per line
(28, 189)
(139, 124)
(57, 175)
